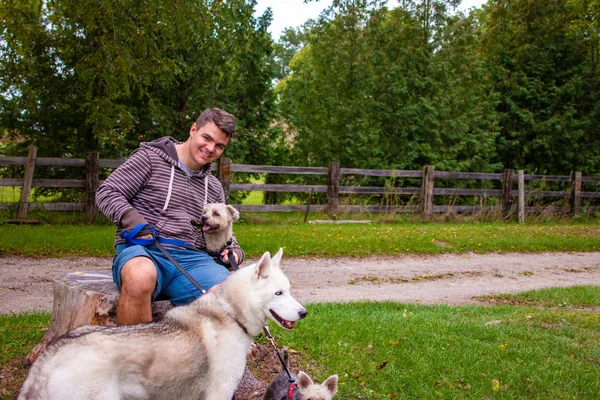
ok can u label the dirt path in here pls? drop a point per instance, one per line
(26, 283)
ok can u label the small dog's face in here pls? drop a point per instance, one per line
(217, 217)
(313, 391)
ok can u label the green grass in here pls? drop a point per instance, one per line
(18, 335)
(9, 194)
(575, 297)
(391, 350)
(12, 194)
(299, 239)
(60, 240)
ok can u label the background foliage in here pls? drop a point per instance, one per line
(103, 75)
(512, 85)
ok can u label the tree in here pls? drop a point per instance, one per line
(290, 43)
(102, 75)
(543, 57)
(379, 88)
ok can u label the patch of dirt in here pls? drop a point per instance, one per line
(26, 283)
(12, 376)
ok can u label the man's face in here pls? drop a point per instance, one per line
(206, 144)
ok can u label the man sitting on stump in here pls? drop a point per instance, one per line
(166, 183)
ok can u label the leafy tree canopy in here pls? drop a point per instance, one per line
(103, 75)
(380, 88)
(543, 56)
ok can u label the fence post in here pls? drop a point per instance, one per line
(92, 181)
(575, 199)
(225, 176)
(507, 199)
(333, 187)
(521, 196)
(427, 186)
(27, 180)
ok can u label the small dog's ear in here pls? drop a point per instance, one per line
(331, 384)
(235, 215)
(304, 380)
(277, 257)
(285, 354)
(262, 266)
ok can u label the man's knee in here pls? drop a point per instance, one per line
(138, 277)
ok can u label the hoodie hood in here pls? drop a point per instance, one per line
(165, 148)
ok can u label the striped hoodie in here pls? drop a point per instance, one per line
(150, 187)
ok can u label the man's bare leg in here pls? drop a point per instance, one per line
(138, 281)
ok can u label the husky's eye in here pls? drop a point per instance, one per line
(278, 293)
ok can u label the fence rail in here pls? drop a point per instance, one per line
(425, 193)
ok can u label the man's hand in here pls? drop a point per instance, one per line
(143, 235)
(225, 257)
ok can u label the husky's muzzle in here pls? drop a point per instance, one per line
(285, 323)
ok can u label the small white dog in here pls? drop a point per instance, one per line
(217, 221)
(279, 388)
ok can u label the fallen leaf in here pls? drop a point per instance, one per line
(495, 385)
(383, 364)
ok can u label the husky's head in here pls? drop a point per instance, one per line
(273, 292)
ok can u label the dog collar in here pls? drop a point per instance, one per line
(243, 327)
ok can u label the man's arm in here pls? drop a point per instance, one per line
(114, 195)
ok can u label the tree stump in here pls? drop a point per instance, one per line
(84, 298)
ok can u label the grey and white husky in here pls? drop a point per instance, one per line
(197, 351)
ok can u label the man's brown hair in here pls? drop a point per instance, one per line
(222, 119)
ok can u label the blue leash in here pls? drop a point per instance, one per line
(147, 229)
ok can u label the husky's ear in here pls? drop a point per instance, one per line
(277, 257)
(235, 215)
(304, 380)
(331, 384)
(262, 266)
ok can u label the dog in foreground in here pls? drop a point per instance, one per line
(197, 351)
(279, 388)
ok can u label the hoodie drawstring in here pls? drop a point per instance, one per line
(205, 189)
(170, 188)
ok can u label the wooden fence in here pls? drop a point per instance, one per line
(511, 200)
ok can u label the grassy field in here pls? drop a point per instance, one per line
(392, 350)
(300, 239)
(18, 335)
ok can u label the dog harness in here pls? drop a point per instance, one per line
(219, 259)
(293, 385)
(147, 229)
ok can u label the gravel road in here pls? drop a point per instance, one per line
(26, 283)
